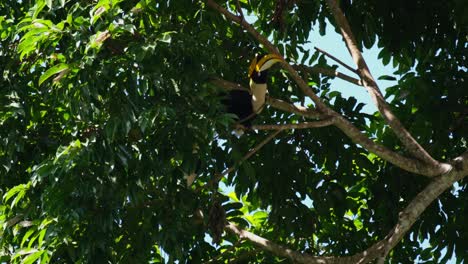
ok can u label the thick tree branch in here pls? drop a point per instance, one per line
(415, 208)
(369, 83)
(408, 164)
(276, 249)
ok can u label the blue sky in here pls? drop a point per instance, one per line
(332, 43)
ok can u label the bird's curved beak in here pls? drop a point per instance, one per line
(252, 66)
(264, 63)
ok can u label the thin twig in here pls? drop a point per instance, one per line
(219, 257)
(239, 10)
(314, 124)
(329, 72)
(219, 176)
(249, 154)
(337, 60)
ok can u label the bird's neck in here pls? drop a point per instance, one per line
(258, 91)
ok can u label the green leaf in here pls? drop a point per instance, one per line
(387, 78)
(37, 8)
(54, 70)
(42, 234)
(16, 190)
(26, 236)
(233, 196)
(32, 257)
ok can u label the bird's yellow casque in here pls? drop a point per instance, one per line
(264, 63)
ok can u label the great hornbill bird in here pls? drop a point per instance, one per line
(246, 105)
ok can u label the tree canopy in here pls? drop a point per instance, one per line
(115, 146)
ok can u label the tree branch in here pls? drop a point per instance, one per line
(408, 164)
(249, 154)
(329, 72)
(276, 249)
(405, 137)
(227, 85)
(295, 109)
(239, 10)
(314, 124)
(337, 60)
(415, 208)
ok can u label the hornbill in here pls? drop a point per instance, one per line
(246, 105)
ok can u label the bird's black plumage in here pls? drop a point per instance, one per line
(259, 77)
(240, 104)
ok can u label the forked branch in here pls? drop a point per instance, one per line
(416, 150)
(407, 218)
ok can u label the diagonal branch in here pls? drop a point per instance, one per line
(276, 249)
(408, 164)
(214, 181)
(329, 72)
(337, 60)
(415, 208)
(369, 83)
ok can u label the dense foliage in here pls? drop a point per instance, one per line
(106, 107)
